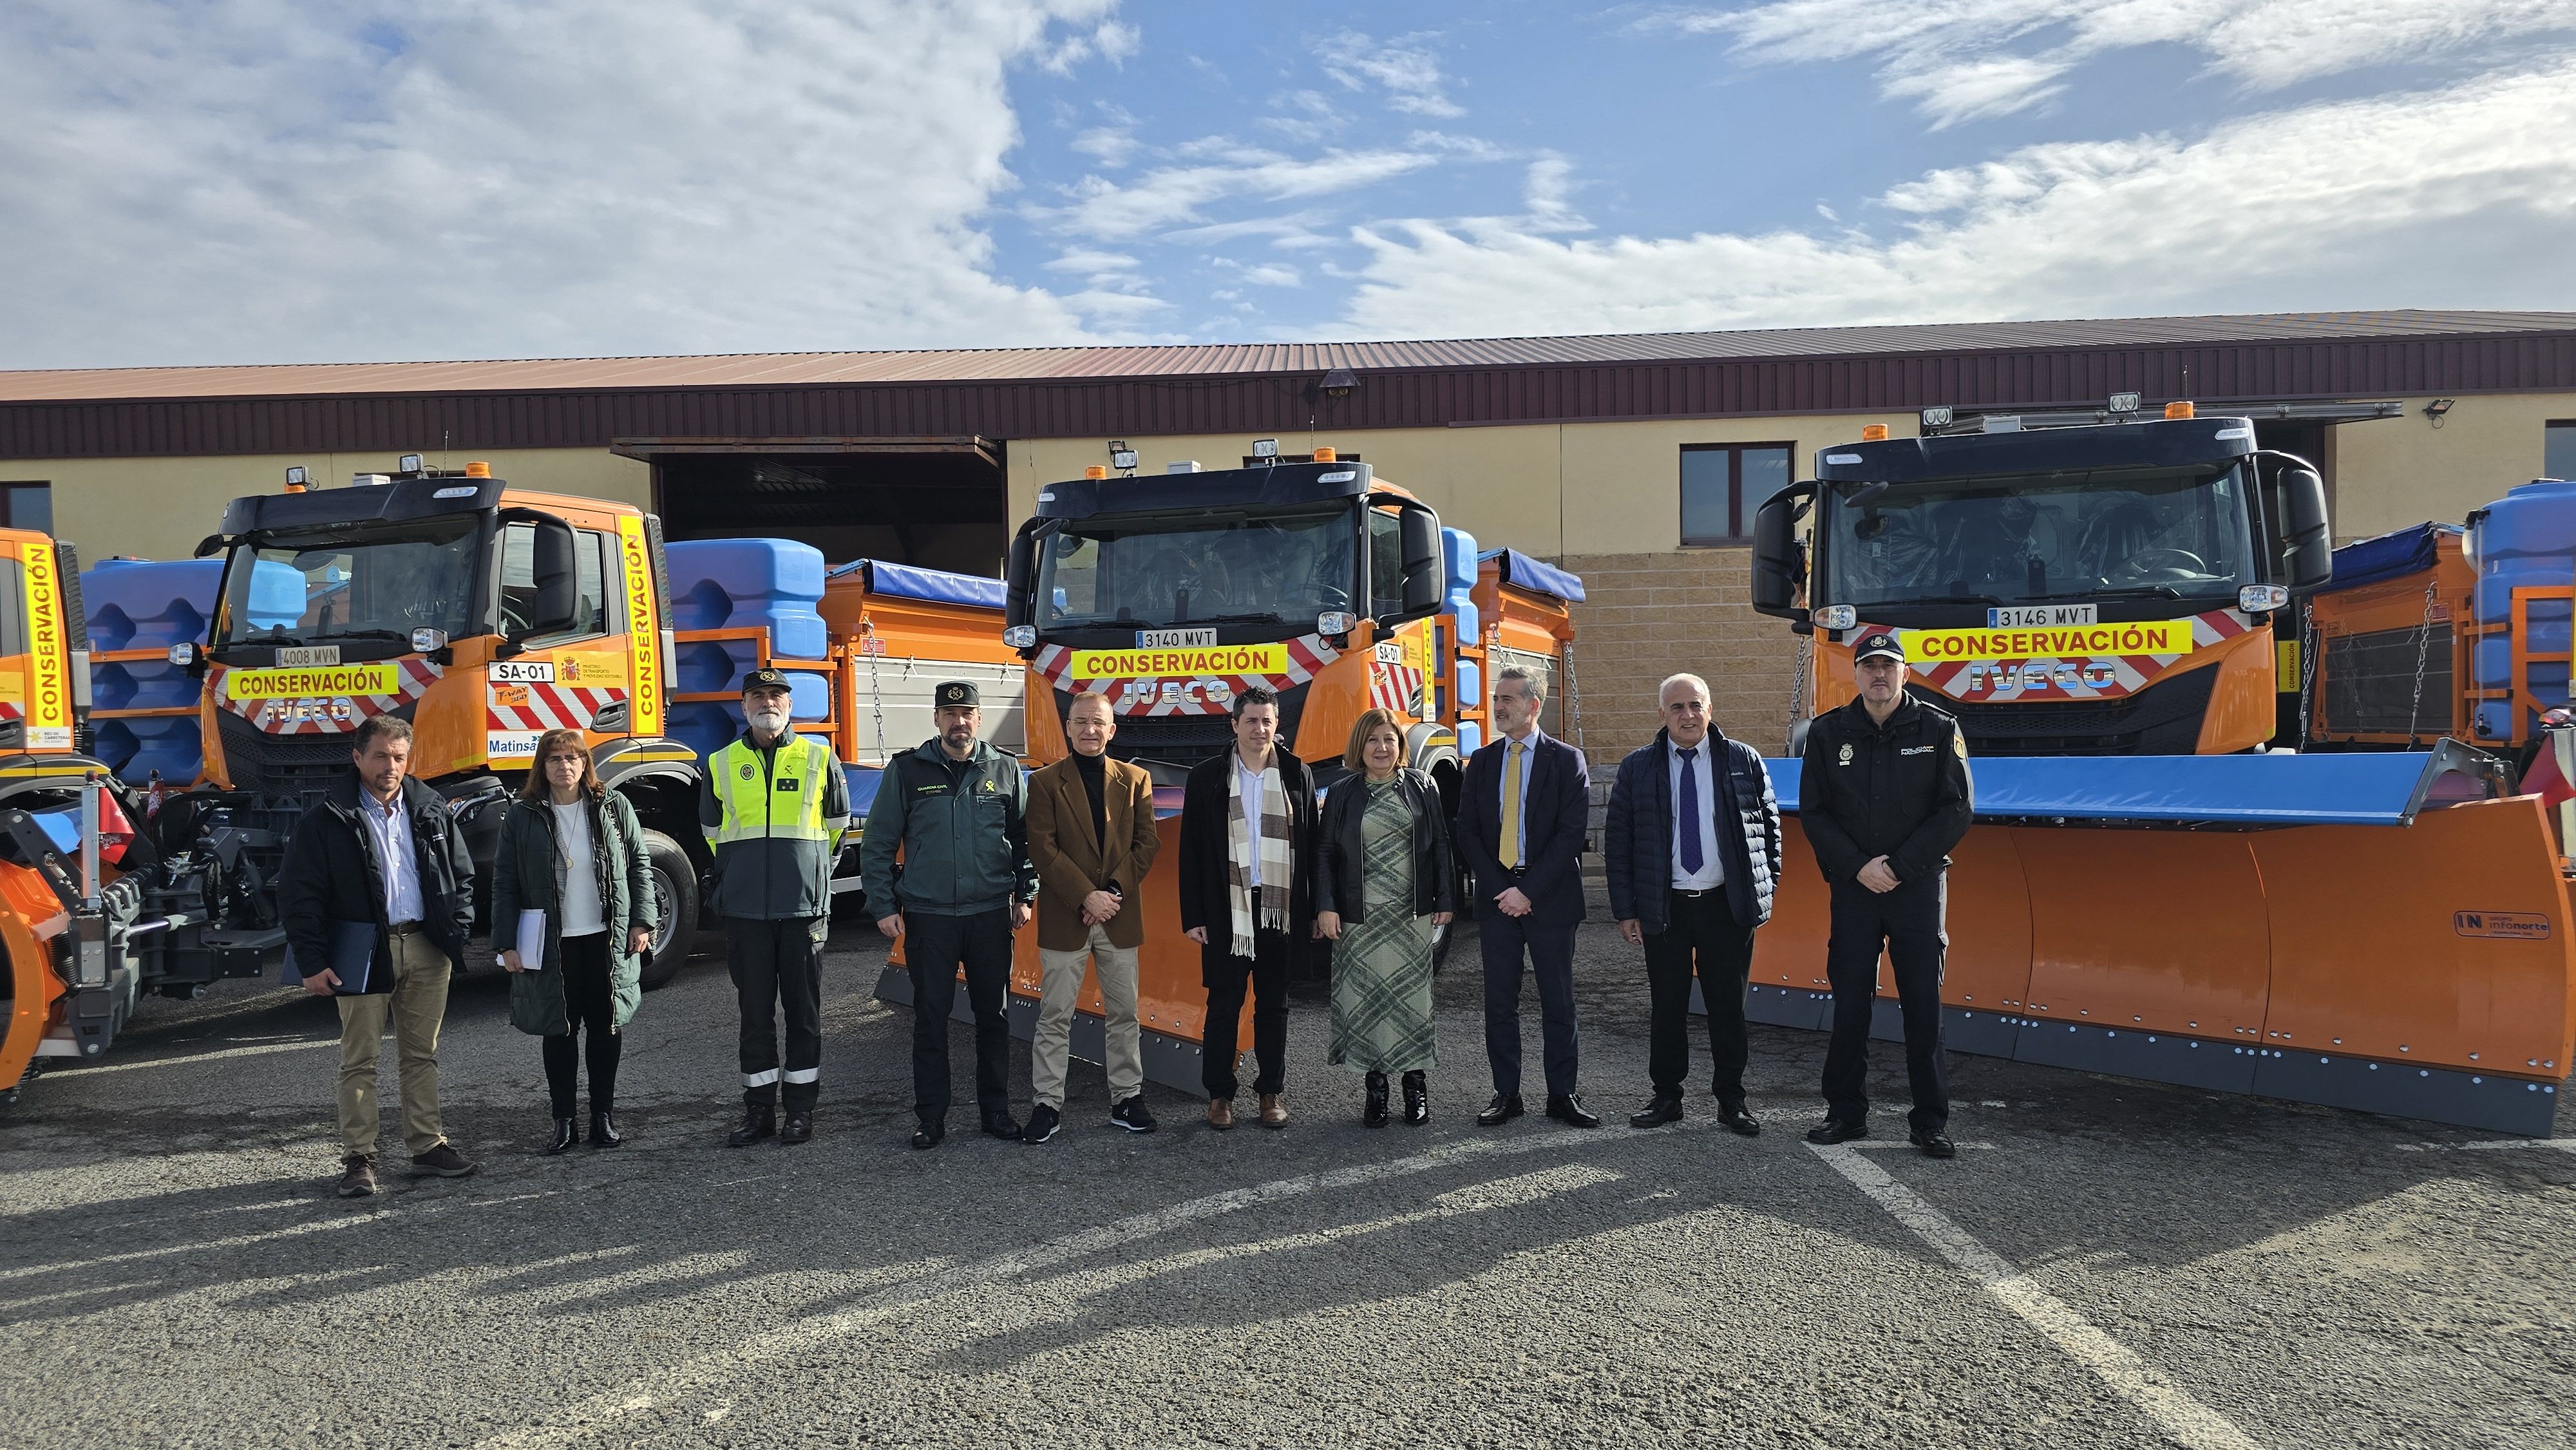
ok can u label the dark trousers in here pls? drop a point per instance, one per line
(1225, 976)
(1908, 921)
(779, 964)
(933, 949)
(1504, 940)
(1700, 936)
(586, 1008)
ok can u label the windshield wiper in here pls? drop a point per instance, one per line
(2140, 591)
(1263, 616)
(395, 635)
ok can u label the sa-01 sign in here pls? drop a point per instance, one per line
(523, 672)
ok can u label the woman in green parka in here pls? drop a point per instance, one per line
(576, 853)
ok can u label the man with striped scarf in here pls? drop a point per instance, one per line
(1247, 897)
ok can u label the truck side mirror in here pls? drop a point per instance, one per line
(551, 604)
(1778, 566)
(2305, 539)
(210, 544)
(1420, 538)
(1021, 576)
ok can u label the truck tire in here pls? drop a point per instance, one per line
(675, 916)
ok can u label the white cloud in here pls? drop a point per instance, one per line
(1110, 145)
(1166, 196)
(1960, 60)
(1410, 73)
(1110, 41)
(288, 179)
(2454, 197)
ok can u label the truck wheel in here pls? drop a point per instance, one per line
(675, 909)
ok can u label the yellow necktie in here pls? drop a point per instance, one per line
(1511, 852)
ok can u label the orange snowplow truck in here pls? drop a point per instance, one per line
(1310, 576)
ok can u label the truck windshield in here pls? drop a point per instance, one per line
(1200, 568)
(2184, 533)
(307, 589)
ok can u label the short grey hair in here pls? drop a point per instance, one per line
(1529, 678)
(1671, 680)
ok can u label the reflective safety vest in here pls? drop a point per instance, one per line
(771, 795)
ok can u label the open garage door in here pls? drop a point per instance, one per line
(940, 503)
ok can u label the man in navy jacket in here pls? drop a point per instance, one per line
(1692, 845)
(1521, 816)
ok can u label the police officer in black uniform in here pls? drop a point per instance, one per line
(1883, 795)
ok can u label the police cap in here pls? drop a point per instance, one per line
(1879, 644)
(958, 692)
(765, 678)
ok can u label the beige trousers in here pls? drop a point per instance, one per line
(1060, 981)
(417, 1004)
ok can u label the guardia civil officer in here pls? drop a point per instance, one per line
(774, 806)
(958, 808)
(1883, 795)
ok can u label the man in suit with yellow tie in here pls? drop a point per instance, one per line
(1521, 816)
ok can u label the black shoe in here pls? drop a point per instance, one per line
(1043, 1121)
(759, 1120)
(1662, 1108)
(566, 1134)
(1935, 1145)
(1570, 1111)
(442, 1161)
(928, 1135)
(1835, 1130)
(799, 1129)
(1504, 1108)
(1417, 1100)
(603, 1129)
(1741, 1121)
(1373, 1115)
(1002, 1125)
(1133, 1115)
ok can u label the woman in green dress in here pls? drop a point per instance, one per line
(1383, 881)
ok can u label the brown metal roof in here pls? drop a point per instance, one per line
(767, 370)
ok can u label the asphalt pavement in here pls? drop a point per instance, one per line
(2106, 1263)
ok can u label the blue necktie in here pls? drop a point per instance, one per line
(1686, 820)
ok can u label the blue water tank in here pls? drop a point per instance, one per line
(1471, 737)
(706, 725)
(1458, 556)
(2524, 539)
(771, 584)
(139, 604)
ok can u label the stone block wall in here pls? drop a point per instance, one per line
(1647, 616)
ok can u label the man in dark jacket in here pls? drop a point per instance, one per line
(1522, 810)
(958, 808)
(377, 898)
(1247, 888)
(1692, 846)
(1883, 794)
(773, 805)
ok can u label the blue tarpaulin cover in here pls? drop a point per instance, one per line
(938, 586)
(1521, 570)
(2358, 789)
(2388, 556)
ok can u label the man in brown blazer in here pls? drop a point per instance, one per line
(1092, 838)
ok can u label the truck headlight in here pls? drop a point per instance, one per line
(1335, 621)
(1836, 616)
(2262, 598)
(1021, 636)
(425, 639)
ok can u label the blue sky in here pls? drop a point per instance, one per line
(288, 180)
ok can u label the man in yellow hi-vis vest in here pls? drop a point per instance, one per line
(774, 806)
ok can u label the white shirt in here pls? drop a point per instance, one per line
(391, 829)
(1250, 777)
(582, 911)
(1712, 871)
(1529, 756)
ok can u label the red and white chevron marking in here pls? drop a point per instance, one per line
(2100, 677)
(326, 714)
(9, 710)
(1200, 695)
(546, 707)
(1395, 687)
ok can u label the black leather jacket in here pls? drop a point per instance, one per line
(1339, 855)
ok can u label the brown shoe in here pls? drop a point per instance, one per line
(1220, 1113)
(1274, 1110)
(358, 1177)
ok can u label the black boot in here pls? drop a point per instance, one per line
(759, 1120)
(566, 1134)
(603, 1129)
(1374, 1115)
(1417, 1099)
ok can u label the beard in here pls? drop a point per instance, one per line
(769, 722)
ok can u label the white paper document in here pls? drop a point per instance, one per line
(532, 941)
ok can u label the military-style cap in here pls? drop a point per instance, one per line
(958, 692)
(765, 679)
(1879, 644)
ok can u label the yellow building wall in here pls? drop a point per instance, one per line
(158, 508)
(2399, 471)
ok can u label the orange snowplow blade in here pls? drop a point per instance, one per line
(2422, 970)
(30, 918)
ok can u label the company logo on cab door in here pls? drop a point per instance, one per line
(2072, 662)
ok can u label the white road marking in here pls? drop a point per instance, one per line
(68, 1073)
(307, 1226)
(2190, 1422)
(2564, 1145)
(598, 1415)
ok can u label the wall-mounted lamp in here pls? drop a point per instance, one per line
(2437, 410)
(1339, 383)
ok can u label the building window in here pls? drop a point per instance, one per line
(1724, 485)
(2558, 456)
(27, 506)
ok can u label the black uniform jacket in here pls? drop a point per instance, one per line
(1898, 790)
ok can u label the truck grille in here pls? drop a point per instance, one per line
(2162, 719)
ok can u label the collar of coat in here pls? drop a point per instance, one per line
(348, 797)
(1714, 741)
(1907, 709)
(932, 751)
